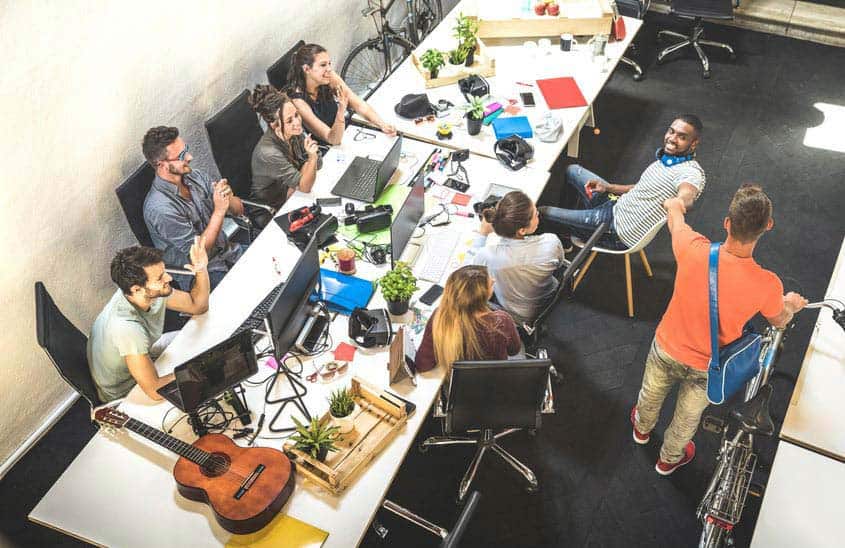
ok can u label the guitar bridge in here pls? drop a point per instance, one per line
(249, 481)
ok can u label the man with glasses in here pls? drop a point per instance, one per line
(127, 334)
(184, 203)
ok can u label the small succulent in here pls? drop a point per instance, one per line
(316, 438)
(341, 403)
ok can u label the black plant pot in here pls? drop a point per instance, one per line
(434, 73)
(473, 125)
(322, 454)
(470, 58)
(397, 308)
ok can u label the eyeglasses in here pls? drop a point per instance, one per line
(329, 372)
(180, 157)
(429, 118)
(362, 135)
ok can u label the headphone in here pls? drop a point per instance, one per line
(669, 160)
(513, 151)
(369, 328)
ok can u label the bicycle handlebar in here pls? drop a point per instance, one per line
(838, 311)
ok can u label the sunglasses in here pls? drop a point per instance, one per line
(429, 118)
(361, 135)
(180, 157)
(329, 372)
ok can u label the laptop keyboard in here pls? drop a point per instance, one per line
(438, 251)
(362, 187)
(255, 320)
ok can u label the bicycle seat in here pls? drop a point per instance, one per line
(753, 416)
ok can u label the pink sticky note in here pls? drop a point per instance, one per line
(344, 352)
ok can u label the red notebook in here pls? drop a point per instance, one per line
(562, 92)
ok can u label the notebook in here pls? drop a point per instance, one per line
(512, 125)
(561, 92)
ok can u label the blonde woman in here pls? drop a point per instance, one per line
(463, 327)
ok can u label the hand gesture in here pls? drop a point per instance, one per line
(222, 193)
(198, 256)
(311, 147)
(484, 228)
(388, 130)
(676, 203)
(594, 185)
(794, 302)
(342, 98)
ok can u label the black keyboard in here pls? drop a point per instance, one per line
(361, 187)
(255, 320)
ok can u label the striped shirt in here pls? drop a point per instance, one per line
(639, 209)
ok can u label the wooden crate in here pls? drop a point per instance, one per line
(379, 418)
(484, 65)
(540, 26)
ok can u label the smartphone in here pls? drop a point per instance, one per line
(333, 201)
(527, 98)
(431, 295)
(455, 184)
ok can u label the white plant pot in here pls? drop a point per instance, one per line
(345, 424)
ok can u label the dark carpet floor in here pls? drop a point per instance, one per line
(598, 488)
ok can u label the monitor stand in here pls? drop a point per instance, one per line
(299, 390)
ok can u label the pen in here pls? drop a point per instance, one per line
(465, 214)
(179, 271)
(525, 84)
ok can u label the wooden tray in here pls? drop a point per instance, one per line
(379, 417)
(538, 26)
(484, 65)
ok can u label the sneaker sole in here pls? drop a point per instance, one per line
(670, 472)
(638, 440)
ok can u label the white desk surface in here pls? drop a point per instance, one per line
(512, 65)
(816, 415)
(802, 505)
(119, 491)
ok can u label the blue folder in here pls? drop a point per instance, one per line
(343, 293)
(512, 125)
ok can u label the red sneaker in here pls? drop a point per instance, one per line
(639, 437)
(665, 469)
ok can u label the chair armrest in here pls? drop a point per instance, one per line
(257, 205)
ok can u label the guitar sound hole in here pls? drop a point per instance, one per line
(217, 465)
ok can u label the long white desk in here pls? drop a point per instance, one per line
(513, 65)
(119, 491)
(802, 505)
(816, 415)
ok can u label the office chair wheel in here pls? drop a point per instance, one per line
(531, 489)
(532, 432)
(705, 74)
(423, 448)
(638, 77)
(732, 56)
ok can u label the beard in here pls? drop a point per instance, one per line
(176, 171)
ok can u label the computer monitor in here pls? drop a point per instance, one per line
(406, 221)
(209, 374)
(289, 311)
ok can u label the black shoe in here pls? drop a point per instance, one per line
(567, 244)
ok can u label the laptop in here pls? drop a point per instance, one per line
(364, 179)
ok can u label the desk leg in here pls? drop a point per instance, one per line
(573, 146)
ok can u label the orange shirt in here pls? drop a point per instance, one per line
(744, 290)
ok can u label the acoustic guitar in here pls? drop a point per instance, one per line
(245, 487)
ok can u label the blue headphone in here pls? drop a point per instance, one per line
(670, 160)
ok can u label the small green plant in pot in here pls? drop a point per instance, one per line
(457, 56)
(432, 60)
(316, 439)
(397, 286)
(466, 31)
(475, 115)
(341, 408)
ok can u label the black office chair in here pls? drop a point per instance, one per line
(449, 539)
(697, 10)
(636, 9)
(131, 194)
(278, 72)
(233, 133)
(492, 396)
(65, 345)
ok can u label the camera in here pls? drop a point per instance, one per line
(458, 156)
(473, 85)
(489, 201)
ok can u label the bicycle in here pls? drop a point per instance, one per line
(721, 506)
(373, 60)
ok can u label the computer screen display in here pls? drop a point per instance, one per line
(406, 221)
(206, 376)
(289, 311)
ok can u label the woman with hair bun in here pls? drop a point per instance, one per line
(283, 161)
(322, 97)
(523, 265)
(463, 327)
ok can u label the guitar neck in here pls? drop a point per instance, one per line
(167, 441)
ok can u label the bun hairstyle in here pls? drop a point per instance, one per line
(513, 212)
(306, 55)
(268, 102)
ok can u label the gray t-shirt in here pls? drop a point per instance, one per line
(121, 330)
(272, 171)
(639, 209)
(523, 271)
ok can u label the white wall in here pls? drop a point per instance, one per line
(80, 83)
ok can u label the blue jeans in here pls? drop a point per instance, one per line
(583, 222)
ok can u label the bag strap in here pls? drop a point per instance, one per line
(713, 301)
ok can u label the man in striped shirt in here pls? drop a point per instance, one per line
(639, 207)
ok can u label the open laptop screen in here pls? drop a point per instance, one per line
(405, 222)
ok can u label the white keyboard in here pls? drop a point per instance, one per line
(438, 251)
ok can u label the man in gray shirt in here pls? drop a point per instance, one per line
(120, 348)
(183, 203)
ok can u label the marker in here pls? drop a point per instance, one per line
(465, 214)
(525, 84)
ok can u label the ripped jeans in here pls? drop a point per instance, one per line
(583, 222)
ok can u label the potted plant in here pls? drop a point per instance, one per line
(466, 31)
(397, 286)
(341, 408)
(432, 60)
(316, 439)
(475, 115)
(457, 57)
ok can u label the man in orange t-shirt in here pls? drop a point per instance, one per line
(680, 351)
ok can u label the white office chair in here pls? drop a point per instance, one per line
(639, 248)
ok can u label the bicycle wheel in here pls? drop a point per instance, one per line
(367, 66)
(427, 13)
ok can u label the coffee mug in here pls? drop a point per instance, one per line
(545, 45)
(566, 41)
